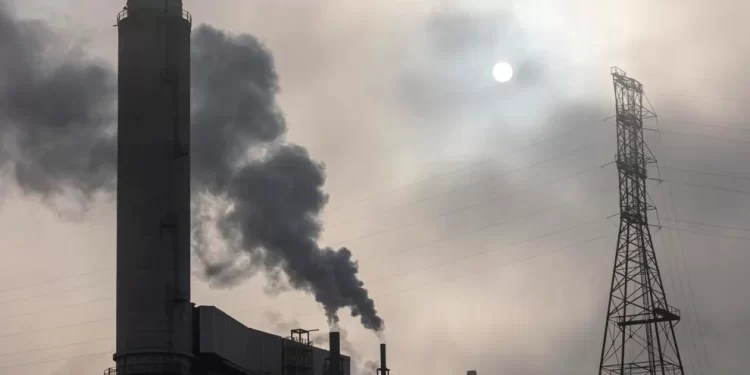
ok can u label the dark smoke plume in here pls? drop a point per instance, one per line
(56, 113)
(57, 137)
(273, 190)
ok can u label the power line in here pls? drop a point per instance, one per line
(708, 225)
(426, 197)
(707, 234)
(56, 360)
(704, 233)
(521, 191)
(57, 308)
(474, 205)
(731, 140)
(421, 139)
(403, 251)
(503, 265)
(706, 173)
(703, 124)
(680, 283)
(56, 347)
(34, 266)
(511, 194)
(55, 292)
(461, 168)
(712, 187)
(687, 272)
(475, 254)
(56, 327)
(677, 270)
(55, 280)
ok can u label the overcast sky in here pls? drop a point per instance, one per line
(477, 210)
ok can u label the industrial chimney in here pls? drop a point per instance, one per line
(383, 370)
(154, 313)
(334, 342)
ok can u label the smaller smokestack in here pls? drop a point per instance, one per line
(334, 343)
(383, 366)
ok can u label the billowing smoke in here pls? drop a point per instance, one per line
(57, 137)
(273, 190)
(370, 367)
(56, 113)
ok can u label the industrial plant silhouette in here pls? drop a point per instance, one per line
(160, 331)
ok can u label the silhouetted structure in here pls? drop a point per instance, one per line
(154, 313)
(639, 334)
(298, 353)
(334, 365)
(159, 331)
(383, 370)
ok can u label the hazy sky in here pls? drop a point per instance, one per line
(478, 211)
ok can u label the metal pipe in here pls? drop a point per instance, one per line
(335, 353)
(383, 366)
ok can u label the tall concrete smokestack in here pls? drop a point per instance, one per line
(154, 314)
(334, 342)
(383, 365)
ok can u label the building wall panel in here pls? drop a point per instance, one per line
(254, 351)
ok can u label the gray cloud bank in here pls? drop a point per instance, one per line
(58, 139)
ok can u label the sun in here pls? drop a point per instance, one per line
(502, 72)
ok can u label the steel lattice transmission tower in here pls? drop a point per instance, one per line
(639, 335)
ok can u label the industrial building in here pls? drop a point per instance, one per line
(159, 330)
(225, 346)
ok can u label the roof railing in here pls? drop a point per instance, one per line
(187, 16)
(123, 14)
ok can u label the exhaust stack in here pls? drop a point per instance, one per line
(383, 370)
(335, 353)
(154, 314)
